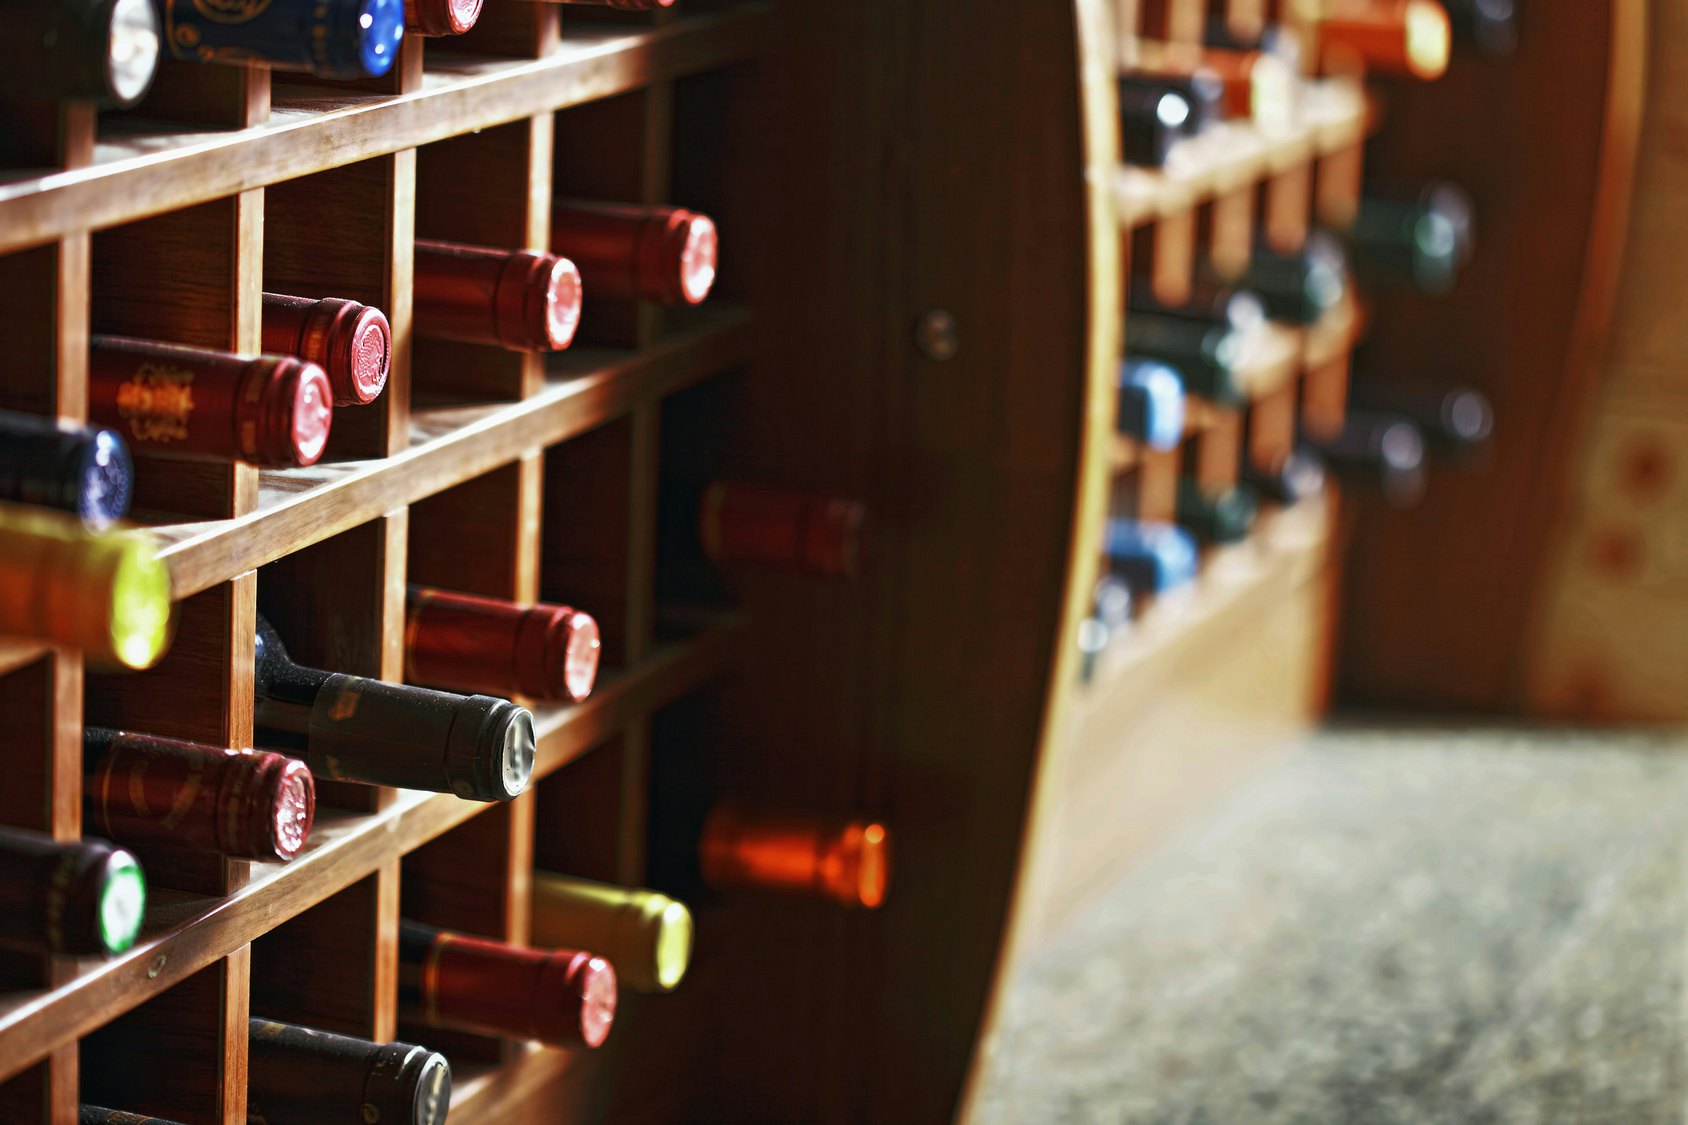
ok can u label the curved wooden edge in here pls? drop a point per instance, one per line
(450, 445)
(1620, 148)
(185, 933)
(139, 173)
(1105, 322)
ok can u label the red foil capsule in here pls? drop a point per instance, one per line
(524, 300)
(665, 254)
(272, 410)
(750, 523)
(141, 789)
(462, 642)
(849, 863)
(441, 17)
(352, 343)
(564, 997)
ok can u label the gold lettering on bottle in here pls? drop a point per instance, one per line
(157, 402)
(230, 11)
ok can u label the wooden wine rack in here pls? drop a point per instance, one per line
(500, 473)
(1211, 680)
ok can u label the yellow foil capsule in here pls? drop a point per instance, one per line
(646, 935)
(107, 593)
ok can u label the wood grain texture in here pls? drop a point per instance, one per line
(142, 169)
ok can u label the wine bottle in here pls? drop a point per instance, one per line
(1491, 26)
(1379, 451)
(782, 528)
(99, 1115)
(1252, 85)
(522, 300)
(1109, 617)
(665, 254)
(273, 410)
(353, 728)
(847, 862)
(440, 17)
(80, 898)
(302, 1076)
(466, 643)
(105, 593)
(1217, 515)
(351, 342)
(81, 469)
(104, 51)
(1209, 355)
(1239, 308)
(1414, 235)
(1151, 403)
(1299, 286)
(1288, 478)
(1408, 38)
(1154, 115)
(646, 935)
(562, 997)
(1150, 557)
(330, 38)
(142, 789)
(1455, 421)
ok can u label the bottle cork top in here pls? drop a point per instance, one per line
(122, 901)
(138, 627)
(132, 57)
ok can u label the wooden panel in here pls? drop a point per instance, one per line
(335, 966)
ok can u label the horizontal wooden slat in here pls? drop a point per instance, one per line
(450, 445)
(185, 933)
(1231, 156)
(145, 170)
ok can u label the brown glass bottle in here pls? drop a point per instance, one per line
(523, 300)
(1410, 38)
(564, 997)
(99, 1115)
(351, 342)
(440, 17)
(462, 642)
(353, 728)
(142, 789)
(665, 254)
(781, 527)
(80, 898)
(302, 1076)
(272, 410)
(848, 862)
(100, 50)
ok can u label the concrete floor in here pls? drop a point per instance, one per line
(1414, 925)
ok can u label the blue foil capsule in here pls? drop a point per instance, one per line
(1151, 403)
(1152, 557)
(331, 38)
(81, 469)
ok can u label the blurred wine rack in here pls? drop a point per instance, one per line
(1209, 680)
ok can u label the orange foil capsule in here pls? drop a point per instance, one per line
(665, 254)
(272, 410)
(750, 523)
(140, 789)
(523, 300)
(849, 863)
(440, 17)
(351, 342)
(564, 997)
(463, 642)
(1405, 37)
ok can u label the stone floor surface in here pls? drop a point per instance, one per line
(1416, 925)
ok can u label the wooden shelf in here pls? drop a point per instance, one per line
(1287, 546)
(449, 445)
(1232, 155)
(185, 933)
(141, 169)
